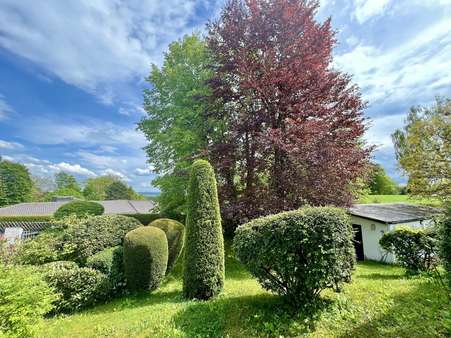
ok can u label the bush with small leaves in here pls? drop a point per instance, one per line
(110, 262)
(415, 249)
(174, 232)
(145, 258)
(79, 208)
(297, 254)
(445, 243)
(24, 299)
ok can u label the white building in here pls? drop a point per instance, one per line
(371, 221)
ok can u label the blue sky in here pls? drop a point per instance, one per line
(72, 74)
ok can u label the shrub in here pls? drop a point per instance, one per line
(79, 208)
(204, 252)
(79, 287)
(445, 243)
(24, 298)
(174, 233)
(145, 258)
(299, 253)
(58, 265)
(145, 219)
(110, 262)
(415, 249)
(89, 236)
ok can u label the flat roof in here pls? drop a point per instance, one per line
(393, 213)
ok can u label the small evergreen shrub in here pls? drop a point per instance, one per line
(58, 265)
(174, 233)
(145, 258)
(110, 263)
(79, 208)
(445, 243)
(145, 219)
(89, 236)
(24, 299)
(203, 275)
(297, 254)
(79, 287)
(415, 249)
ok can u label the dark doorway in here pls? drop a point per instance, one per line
(358, 242)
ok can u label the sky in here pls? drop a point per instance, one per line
(72, 74)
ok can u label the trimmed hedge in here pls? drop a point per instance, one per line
(174, 233)
(298, 253)
(204, 250)
(26, 219)
(145, 258)
(89, 236)
(79, 208)
(145, 219)
(110, 263)
(415, 249)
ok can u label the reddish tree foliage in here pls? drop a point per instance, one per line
(292, 124)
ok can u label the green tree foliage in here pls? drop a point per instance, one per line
(176, 127)
(80, 209)
(64, 180)
(145, 258)
(174, 233)
(117, 191)
(110, 263)
(95, 187)
(380, 183)
(423, 149)
(298, 253)
(444, 226)
(203, 276)
(16, 183)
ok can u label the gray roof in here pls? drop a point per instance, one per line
(49, 208)
(393, 213)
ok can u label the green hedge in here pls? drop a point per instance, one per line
(110, 262)
(79, 208)
(174, 233)
(26, 219)
(445, 243)
(145, 258)
(145, 219)
(204, 244)
(299, 253)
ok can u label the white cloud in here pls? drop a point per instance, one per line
(5, 108)
(73, 169)
(101, 160)
(144, 171)
(116, 173)
(366, 9)
(10, 145)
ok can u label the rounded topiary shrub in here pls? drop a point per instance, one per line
(80, 209)
(174, 233)
(298, 253)
(145, 258)
(203, 275)
(110, 262)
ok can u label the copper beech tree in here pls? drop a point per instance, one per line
(291, 125)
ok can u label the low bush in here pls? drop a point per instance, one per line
(110, 262)
(39, 219)
(145, 258)
(89, 236)
(79, 287)
(58, 265)
(298, 253)
(174, 233)
(415, 249)
(79, 208)
(445, 243)
(145, 219)
(24, 299)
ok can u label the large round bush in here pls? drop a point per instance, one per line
(89, 236)
(298, 253)
(203, 275)
(79, 208)
(174, 233)
(110, 262)
(145, 258)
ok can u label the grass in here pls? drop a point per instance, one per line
(397, 198)
(381, 302)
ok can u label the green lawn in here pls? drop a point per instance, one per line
(397, 198)
(381, 302)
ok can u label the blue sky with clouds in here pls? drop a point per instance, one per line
(72, 73)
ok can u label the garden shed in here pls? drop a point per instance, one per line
(371, 221)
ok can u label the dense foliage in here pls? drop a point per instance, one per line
(380, 183)
(423, 149)
(117, 191)
(444, 228)
(95, 187)
(89, 236)
(64, 180)
(16, 183)
(24, 299)
(78, 287)
(145, 258)
(203, 275)
(299, 253)
(415, 249)
(175, 234)
(110, 263)
(80, 209)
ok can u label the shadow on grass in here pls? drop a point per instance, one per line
(381, 276)
(263, 315)
(421, 312)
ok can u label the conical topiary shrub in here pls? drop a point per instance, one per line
(145, 258)
(203, 275)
